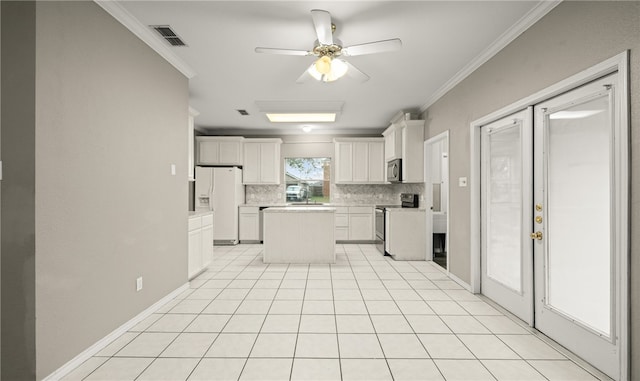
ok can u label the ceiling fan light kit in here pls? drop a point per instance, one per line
(328, 68)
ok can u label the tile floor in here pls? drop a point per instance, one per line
(365, 318)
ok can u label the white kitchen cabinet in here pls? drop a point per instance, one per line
(249, 224)
(219, 150)
(405, 140)
(404, 234)
(361, 223)
(261, 161)
(200, 241)
(342, 223)
(359, 161)
(392, 143)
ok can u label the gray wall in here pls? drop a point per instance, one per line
(571, 38)
(106, 118)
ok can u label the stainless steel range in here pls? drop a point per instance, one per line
(408, 200)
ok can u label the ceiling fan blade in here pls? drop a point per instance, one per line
(372, 47)
(286, 52)
(322, 22)
(356, 74)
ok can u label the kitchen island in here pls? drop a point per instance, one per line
(299, 234)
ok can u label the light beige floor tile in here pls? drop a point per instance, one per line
(318, 324)
(85, 369)
(218, 369)
(479, 308)
(117, 344)
(350, 307)
(463, 370)
(501, 325)
(422, 285)
(359, 345)
(444, 346)
(208, 323)
(286, 307)
(293, 283)
(204, 293)
(427, 324)
(146, 322)
(319, 283)
(312, 345)
(382, 307)
(120, 369)
(147, 344)
(530, 347)
(259, 307)
(274, 345)
(561, 370)
(222, 307)
(404, 346)
(233, 294)
(166, 369)
(404, 295)
(262, 293)
(354, 324)
(242, 283)
(464, 324)
(391, 324)
(165, 308)
(462, 295)
(414, 307)
(347, 294)
(512, 370)
(281, 324)
(290, 294)
(172, 323)
(232, 345)
(434, 295)
(414, 370)
(446, 308)
(190, 306)
(487, 347)
(217, 283)
(189, 345)
(375, 294)
(244, 324)
(345, 284)
(315, 370)
(259, 369)
(317, 307)
(318, 294)
(365, 370)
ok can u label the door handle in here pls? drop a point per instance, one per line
(536, 235)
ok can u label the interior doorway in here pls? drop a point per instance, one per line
(437, 197)
(552, 212)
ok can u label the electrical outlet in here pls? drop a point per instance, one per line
(139, 284)
(462, 182)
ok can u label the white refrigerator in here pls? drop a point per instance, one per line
(220, 189)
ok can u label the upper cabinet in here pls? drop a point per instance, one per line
(261, 161)
(405, 140)
(215, 150)
(359, 161)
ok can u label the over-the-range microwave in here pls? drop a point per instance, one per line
(394, 171)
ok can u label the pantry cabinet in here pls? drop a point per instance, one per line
(261, 161)
(219, 150)
(359, 161)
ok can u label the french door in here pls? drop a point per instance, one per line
(507, 273)
(576, 252)
(553, 219)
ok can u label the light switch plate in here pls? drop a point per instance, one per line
(139, 284)
(462, 182)
(173, 169)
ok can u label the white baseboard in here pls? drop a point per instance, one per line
(102, 343)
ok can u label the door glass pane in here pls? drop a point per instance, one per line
(578, 213)
(504, 207)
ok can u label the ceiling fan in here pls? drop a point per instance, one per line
(329, 67)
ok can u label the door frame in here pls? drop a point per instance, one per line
(429, 196)
(619, 64)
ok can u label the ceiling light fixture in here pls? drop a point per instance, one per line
(327, 69)
(320, 117)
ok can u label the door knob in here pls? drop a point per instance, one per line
(536, 235)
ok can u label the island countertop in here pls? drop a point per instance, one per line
(300, 209)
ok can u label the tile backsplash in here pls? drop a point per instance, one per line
(340, 194)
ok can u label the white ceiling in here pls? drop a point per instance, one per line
(441, 39)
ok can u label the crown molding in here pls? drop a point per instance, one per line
(530, 18)
(117, 11)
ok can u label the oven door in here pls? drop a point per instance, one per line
(380, 230)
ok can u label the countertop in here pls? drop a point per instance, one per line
(398, 210)
(301, 209)
(330, 204)
(199, 213)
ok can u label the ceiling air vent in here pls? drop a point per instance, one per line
(168, 34)
(242, 112)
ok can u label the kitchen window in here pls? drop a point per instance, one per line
(307, 179)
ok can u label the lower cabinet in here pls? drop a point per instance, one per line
(200, 243)
(354, 223)
(403, 238)
(249, 224)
